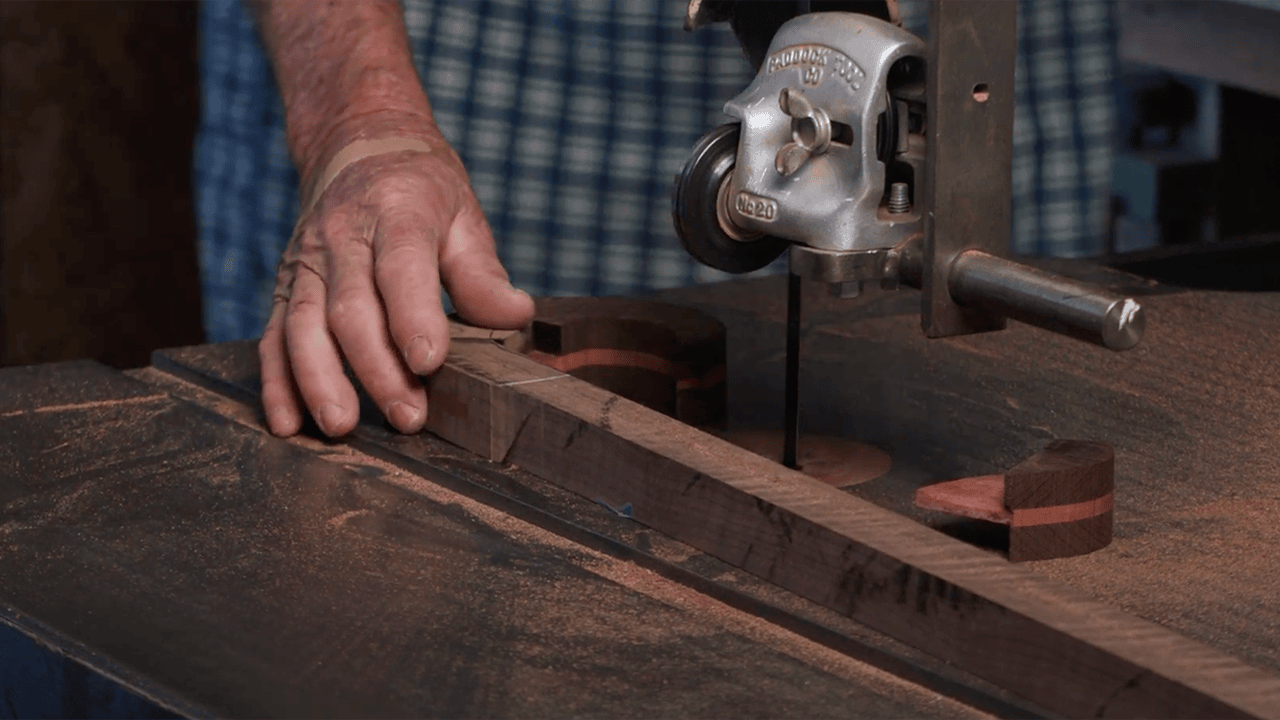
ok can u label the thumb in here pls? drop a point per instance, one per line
(476, 281)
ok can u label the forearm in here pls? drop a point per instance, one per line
(345, 72)
(384, 224)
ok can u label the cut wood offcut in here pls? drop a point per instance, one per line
(1057, 503)
(665, 357)
(672, 359)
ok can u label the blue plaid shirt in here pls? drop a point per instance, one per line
(573, 117)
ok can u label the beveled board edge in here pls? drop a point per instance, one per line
(1002, 622)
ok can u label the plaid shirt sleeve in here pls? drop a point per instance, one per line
(573, 116)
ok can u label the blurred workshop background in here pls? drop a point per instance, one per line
(146, 191)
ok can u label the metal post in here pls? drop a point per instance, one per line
(970, 94)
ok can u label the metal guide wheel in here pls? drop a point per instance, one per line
(701, 215)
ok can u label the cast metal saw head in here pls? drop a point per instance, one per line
(828, 149)
(871, 155)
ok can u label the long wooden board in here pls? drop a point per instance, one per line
(1005, 623)
(157, 534)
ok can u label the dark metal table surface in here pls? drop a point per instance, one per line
(151, 529)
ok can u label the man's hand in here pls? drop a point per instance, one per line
(360, 280)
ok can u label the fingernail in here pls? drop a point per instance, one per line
(330, 418)
(420, 353)
(405, 417)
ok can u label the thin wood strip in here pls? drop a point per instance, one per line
(610, 357)
(1030, 517)
(606, 357)
(980, 497)
(1004, 623)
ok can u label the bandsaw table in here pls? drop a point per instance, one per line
(153, 530)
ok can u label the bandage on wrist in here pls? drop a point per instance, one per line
(355, 152)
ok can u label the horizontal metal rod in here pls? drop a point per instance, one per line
(1067, 306)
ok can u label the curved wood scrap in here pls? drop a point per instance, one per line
(1057, 503)
(665, 357)
(1018, 629)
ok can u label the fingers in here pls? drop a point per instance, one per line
(373, 298)
(358, 321)
(408, 278)
(475, 278)
(279, 395)
(316, 364)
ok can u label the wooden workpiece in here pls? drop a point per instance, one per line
(666, 357)
(671, 359)
(1056, 503)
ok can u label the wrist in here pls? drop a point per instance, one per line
(318, 159)
(353, 153)
(345, 73)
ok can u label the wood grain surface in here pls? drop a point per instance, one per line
(224, 572)
(1191, 414)
(1017, 628)
(1055, 497)
(228, 376)
(1056, 503)
(665, 357)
